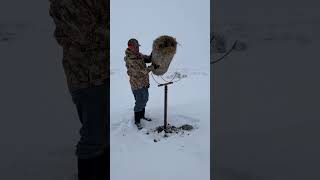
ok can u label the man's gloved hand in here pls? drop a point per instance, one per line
(150, 57)
(147, 59)
(156, 66)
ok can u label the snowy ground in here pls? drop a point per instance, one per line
(39, 122)
(179, 156)
(39, 125)
(266, 99)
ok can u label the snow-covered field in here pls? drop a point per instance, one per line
(180, 156)
(135, 154)
(39, 125)
(39, 122)
(266, 99)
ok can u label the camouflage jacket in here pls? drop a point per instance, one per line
(137, 70)
(83, 30)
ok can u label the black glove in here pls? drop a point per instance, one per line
(156, 66)
(148, 59)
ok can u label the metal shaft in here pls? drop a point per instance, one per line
(165, 105)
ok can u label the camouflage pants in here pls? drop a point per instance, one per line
(93, 109)
(141, 96)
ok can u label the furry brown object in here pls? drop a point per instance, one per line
(163, 50)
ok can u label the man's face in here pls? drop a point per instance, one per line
(136, 48)
(134, 45)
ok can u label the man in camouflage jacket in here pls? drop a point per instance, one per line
(138, 74)
(82, 29)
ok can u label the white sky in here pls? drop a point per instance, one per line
(187, 20)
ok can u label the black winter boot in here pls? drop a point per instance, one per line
(137, 117)
(143, 115)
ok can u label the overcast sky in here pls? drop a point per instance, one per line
(145, 20)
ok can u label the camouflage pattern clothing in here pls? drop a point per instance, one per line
(83, 30)
(137, 70)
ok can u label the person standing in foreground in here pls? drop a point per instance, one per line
(82, 29)
(138, 73)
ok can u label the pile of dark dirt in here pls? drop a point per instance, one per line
(173, 129)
